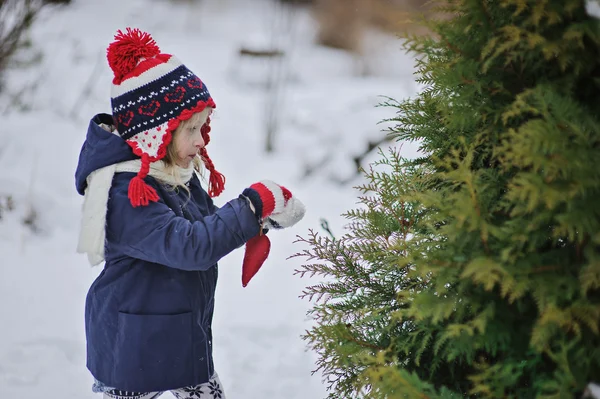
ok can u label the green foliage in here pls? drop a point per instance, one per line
(474, 271)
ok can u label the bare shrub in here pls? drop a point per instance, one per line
(16, 16)
(342, 22)
(31, 220)
(6, 205)
(398, 15)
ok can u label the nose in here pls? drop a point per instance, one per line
(199, 143)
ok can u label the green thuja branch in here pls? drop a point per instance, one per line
(474, 269)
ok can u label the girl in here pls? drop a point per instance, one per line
(149, 313)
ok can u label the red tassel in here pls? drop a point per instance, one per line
(140, 193)
(216, 183)
(257, 251)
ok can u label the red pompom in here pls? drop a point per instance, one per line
(126, 51)
(216, 183)
(257, 251)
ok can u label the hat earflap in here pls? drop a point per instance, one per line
(150, 146)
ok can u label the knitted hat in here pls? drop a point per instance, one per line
(152, 93)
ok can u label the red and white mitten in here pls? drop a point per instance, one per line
(276, 208)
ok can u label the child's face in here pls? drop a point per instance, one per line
(188, 141)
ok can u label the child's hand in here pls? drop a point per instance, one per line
(274, 204)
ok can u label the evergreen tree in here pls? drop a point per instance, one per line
(474, 271)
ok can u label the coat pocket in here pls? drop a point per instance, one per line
(154, 352)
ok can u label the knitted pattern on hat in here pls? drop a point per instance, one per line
(152, 93)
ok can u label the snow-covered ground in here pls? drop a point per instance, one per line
(326, 114)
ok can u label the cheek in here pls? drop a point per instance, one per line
(180, 145)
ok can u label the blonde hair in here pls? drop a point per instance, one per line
(171, 155)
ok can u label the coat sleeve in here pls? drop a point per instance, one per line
(154, 233)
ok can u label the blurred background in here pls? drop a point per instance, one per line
(297, 86)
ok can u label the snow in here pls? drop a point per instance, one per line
(592, 391)
(326, 107)
(593, 8)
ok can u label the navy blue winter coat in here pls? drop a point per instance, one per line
(149, 313)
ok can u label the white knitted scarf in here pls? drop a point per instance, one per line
(93, 234)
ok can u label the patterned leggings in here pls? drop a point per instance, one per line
(209, 390)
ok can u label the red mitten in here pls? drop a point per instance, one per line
(257, 251)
